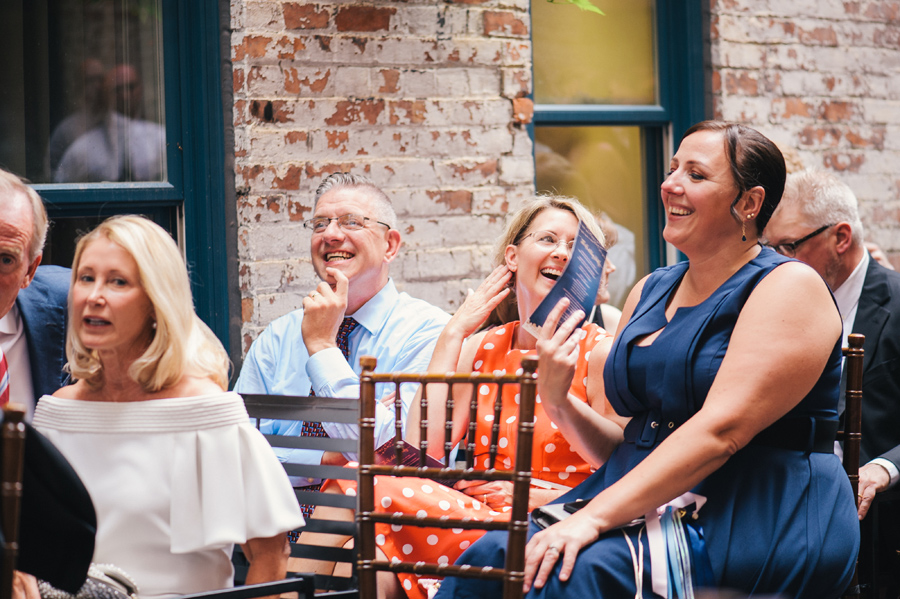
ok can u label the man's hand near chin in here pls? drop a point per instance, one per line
(323, 311)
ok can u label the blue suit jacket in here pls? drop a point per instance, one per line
(43, 308)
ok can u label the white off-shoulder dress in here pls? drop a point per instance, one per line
(175, 483)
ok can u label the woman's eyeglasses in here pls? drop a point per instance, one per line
(550, 240)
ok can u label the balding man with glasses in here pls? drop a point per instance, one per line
(817, 222)
(356, 310)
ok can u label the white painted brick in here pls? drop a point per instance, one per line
(515, 170)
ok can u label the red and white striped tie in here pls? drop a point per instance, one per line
(4, 379)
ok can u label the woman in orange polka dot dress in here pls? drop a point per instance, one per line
(532, 254)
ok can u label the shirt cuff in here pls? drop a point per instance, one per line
(326, 370)
(890, 467)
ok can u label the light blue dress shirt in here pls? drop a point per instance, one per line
(399, 330)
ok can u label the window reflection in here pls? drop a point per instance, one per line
(586, 58)
(602, 167)
(82, 92)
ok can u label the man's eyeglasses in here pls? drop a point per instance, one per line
(347, 222)
(549, 240)
(790, 248)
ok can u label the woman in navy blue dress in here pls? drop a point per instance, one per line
(729, 369)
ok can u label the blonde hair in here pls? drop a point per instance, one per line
(11, 185)
(515, 231)
(182, 343)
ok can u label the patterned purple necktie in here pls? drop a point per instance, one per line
(315, 429)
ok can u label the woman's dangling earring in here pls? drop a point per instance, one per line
(744, 227)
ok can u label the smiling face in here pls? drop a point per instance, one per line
(536, 266)
(111, 312)
(697, 194)
(362, 256)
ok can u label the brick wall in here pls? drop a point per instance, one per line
(822, 77)
(424, 97)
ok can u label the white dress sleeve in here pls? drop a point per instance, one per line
(211, 506)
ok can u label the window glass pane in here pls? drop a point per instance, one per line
(603, 168)
(81, 90)
(585, 58)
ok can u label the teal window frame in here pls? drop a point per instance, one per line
(681, 37)
(196, 188)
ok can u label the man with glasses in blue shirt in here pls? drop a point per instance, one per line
(356, 310)
(818, 222)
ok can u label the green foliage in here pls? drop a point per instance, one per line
(583, 5)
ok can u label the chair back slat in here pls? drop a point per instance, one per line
(13, 439)
(312, 409)
(851, 435)
(473, 424)
(520, 475)
(448, 425)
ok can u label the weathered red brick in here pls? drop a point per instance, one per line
(825, 36)
(288, 47)
(875, 140)
(741, 83)
(836, 112)
(304, 16)
(458, 199)
(504, 23)
(314, 173)
(841, 162)
(523, 110)
(252, 46)
(237, 80)
(795, 107)
(486, 168)
(363, 18)
(297, 211)
(337, 140)
(354, 111)
(391, 79)
(294, 85)
(817, 136)
(275, 111)
(246, 309)
(413, 112)
(240, 106)
(290, 180)
(295, 137)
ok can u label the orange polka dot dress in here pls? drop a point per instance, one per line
(553, 461)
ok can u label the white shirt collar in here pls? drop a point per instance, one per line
(374, 313)
(847, 295)
(9, 324)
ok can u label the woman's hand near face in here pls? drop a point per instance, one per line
(479, 304)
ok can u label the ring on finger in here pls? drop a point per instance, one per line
(553, 548)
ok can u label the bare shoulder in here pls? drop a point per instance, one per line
(191, 386)
(74, 391)
(793, 287)
(793, 300)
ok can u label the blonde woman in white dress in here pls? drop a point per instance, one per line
(176, 472)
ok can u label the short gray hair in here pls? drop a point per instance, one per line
(10, 185)
(381, 203)
(823, 199)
